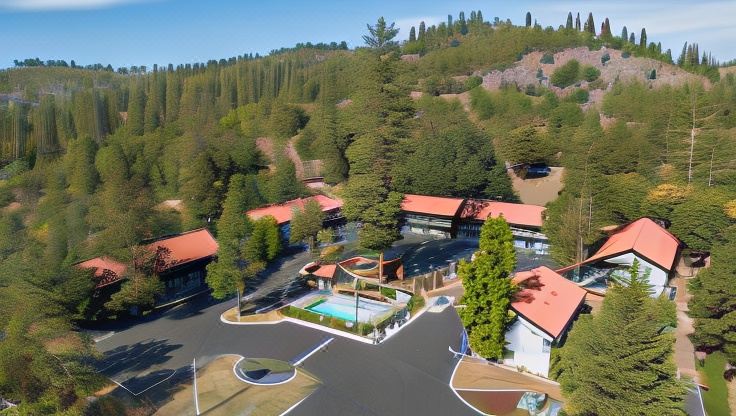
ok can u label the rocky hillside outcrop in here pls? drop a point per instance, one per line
(618, 68)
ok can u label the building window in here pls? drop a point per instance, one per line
(546, 346)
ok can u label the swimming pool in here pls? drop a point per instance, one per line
(343, 307)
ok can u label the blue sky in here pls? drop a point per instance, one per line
(144, 32)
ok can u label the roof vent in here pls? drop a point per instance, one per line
(554, 293)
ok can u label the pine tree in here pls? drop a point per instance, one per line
(489, 289)
(283, 183)
(463, 24)
(590, 24)
(713, 305)
(632, 38)
(306, 223)
(528, 19)
(136, 108)
(577, 22)
(381, 35)
(412, 34)
(619, 361)
(569, 24)
(625, 34)
(643, 38)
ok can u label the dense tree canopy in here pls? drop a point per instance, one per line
(489, 289)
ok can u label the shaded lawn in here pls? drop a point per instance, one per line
(716, 398)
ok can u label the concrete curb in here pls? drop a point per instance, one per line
(225, 321)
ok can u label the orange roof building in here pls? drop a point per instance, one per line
(186, 255)
(432, 205)
(643, 240)
(519, 215)
(284, 212)
(547, 300)
(545, 306)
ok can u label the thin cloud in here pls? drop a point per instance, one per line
(43, 5)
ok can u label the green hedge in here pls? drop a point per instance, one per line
(388, 292)
(330, 322)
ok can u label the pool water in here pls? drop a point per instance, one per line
(343, 307)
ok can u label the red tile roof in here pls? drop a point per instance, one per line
(183, 248)
(433, 205)
(646, 238)
(107, 270)
(547, 299)
(515, 214)
(187, 247)
(283, 212)
(326, 271)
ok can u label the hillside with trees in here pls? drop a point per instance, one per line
(88, 153)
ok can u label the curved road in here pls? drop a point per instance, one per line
(407, 374)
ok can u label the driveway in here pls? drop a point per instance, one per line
(407, 374)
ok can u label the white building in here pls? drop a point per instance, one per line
(644, 240)
(545, 308)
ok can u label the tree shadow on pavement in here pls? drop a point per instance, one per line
(135, 358)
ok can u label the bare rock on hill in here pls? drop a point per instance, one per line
(617, 68)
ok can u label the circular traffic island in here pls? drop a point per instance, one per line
(264, 371)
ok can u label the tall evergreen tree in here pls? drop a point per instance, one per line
(713, 304)
(568, 24)
(306, 223)
(577, 22)
(528, 19)
(380, 36)
(632, 38)
(136, 108)
(590, 24)
(489, 289)
(643, 38)
(619, 361)
(412, 34)
(625, 34)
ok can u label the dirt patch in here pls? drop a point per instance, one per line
(539, 191)
(293, 155)
(265, 145)
(221, 393)
(11, 207)
(232, 316)
(464, 99)
(477, 374)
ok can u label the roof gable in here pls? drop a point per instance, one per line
(547, 300)
(432, 205)
(646, 238)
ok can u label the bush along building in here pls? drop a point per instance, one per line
(180, 263)
(462, 218)
(283, 213)
(644, 240)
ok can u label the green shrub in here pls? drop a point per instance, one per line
(566, 75)
(415, 304)
(652, 74)
(590, 73)
(580, 96)
(547, 58)
(389, 292)
(626, 55)
(605, 58)
(472, 82)
(482, 103)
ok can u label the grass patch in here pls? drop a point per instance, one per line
(716, 398)
(328, 321)
(388, 292)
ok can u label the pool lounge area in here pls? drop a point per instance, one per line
(344, 307)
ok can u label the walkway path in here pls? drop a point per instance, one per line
(684, 349)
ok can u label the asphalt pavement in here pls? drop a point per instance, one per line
(407, 374)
